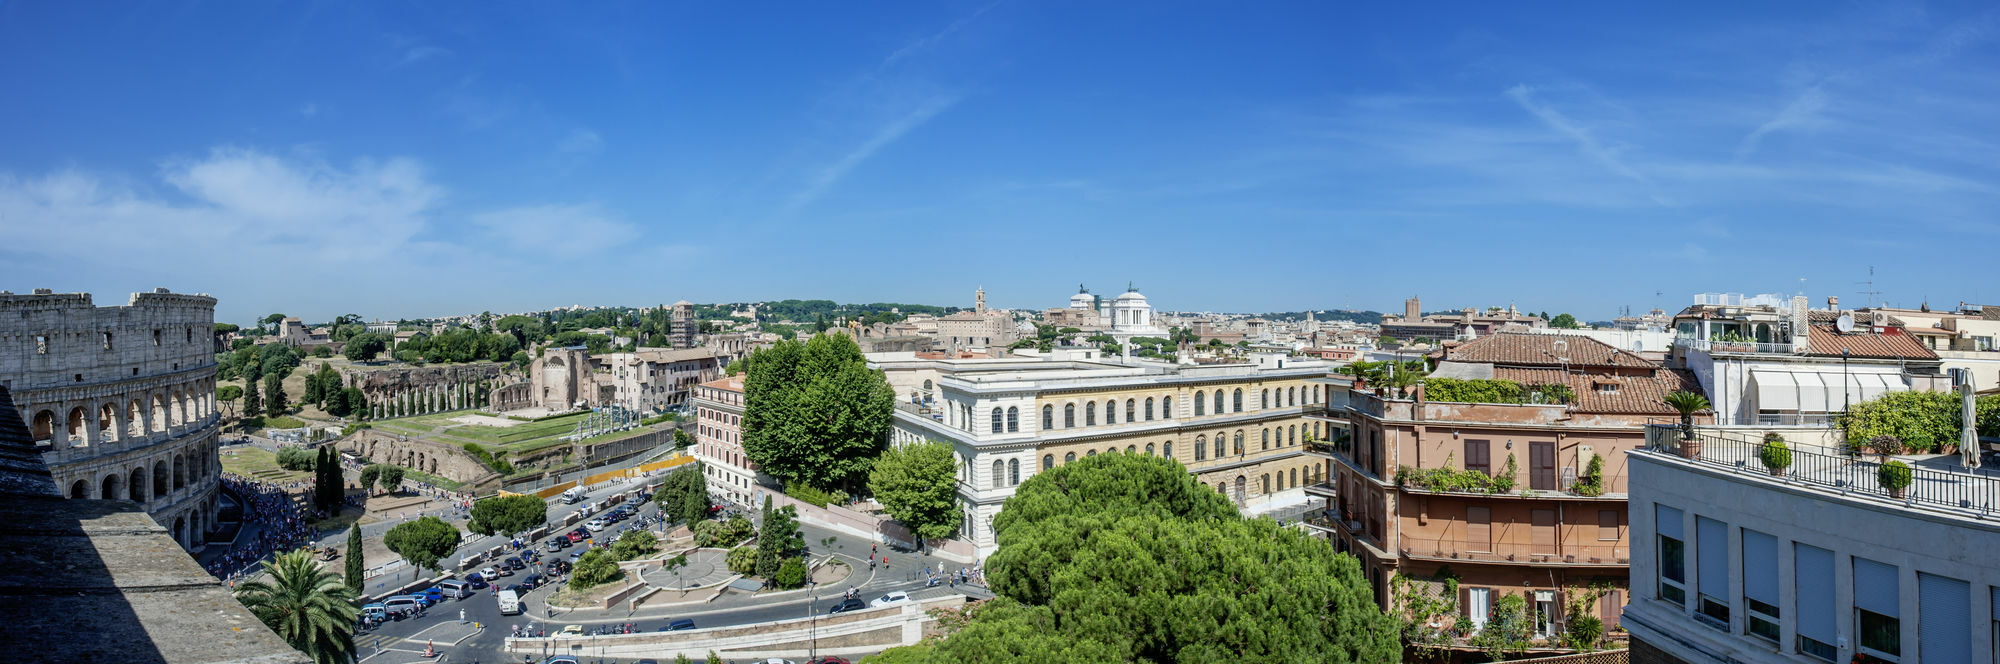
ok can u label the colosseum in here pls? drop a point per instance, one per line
(120, 400)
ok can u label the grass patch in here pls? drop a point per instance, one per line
(412, 476)
(283, 422)
(256, 463)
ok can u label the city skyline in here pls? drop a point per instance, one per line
(429, 161)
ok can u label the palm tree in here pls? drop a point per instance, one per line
(310, 608)
(1687, 404)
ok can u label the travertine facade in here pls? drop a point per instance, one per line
(120, 400)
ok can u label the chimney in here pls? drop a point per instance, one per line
(1833, 302)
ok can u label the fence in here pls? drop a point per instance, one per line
(1929, 487)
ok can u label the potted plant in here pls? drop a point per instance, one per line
(1886, 446)
(1895, 477)
(1775, 454)
(1687, 404)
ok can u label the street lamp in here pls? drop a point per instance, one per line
(812, 650)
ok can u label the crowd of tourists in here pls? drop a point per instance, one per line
(280, 524)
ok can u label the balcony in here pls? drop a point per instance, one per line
(1718, 346)
(920, 409)
(1559, 554)
(1934, 485)
(1329, 521)
(1322, 489)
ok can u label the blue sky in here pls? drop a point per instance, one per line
(404, 159)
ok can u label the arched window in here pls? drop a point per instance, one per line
(1048, 418)
(996, 421)
(1090, 453)
(1267, 483)
(1167, 449)
(1201, 448)
(1295, 477)
(1237, 403)
(1221, 488)
(1292, 434)
(1221, 440)
(1149, 409)
(1240, 481)
(1131, 449)
(1267, 439)
(1111, 412)
(1200, 403)
(1149, 449)
(1090, 414)
(999, 474)
(1048, 461)
(1013, 419)
(1167, 408)
(1218, 403)
(1264, 401)
(1132, 410)
(1013, 472)
(1291, 396)
(1069, 415)
(1239, 442)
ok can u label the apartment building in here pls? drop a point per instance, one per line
(718, 416)
(1783, 364)
(1240, 428)
(654, 380)
(1815, 561)
(1499, 496)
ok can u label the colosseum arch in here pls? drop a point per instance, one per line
(108, 487)
(159, 422)
(180, 470)
(107, 423)
(177, 400)
(180, 531)
(135, 419)
(79, 489)
(161, 478)
(135, 485)
(78, 428)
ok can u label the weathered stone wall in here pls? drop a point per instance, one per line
(402, 390)
(438, 459)
(120, 400)
(511, 397)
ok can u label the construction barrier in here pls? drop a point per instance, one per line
(554, 491)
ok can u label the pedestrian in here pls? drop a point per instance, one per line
(461, 616)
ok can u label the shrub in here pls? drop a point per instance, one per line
(1774, 453)
(1585, 631)
(1592, 481)
(816, 497)
(722, 533)
(742, 559)
(1922, 420)
(792, 574)
(1478, 390)
(593, 569)
(634, 544)
(1894, 476)
(1886, 445)
(295, 458)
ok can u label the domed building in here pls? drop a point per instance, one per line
(1131, 316)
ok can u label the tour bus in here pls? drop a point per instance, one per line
(573, 495)
(510, 602)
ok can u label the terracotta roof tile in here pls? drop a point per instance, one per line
(1514, 349)
(1636, 395)
(1891, 343)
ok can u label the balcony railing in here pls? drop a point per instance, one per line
(920, 409)
(1561, 553)
(1718, 346)
(1847, 475)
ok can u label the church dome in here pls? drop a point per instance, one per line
(1131, 296)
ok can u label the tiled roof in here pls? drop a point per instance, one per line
(1890, 344)
(1637, 395)
(1512, 349)
(726, 383)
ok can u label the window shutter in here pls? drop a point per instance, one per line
(1812, 571)
(1667, 521)
(1712, 557)
(1760, 567)
(1478, 529)
(1607, 524)
(1944, 619)
(1875, 587)
(1614, 609)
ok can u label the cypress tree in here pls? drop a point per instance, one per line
(253, 402)
(354, 564)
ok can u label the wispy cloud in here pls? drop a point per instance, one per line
(826, 177)
(931, 40)
(580, 142)
(309, 110)
(416, 54)
(1586, 142)
(1802, 113)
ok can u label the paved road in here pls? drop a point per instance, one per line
(734, 608)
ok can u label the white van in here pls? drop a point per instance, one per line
(510, 603)
(455, 589)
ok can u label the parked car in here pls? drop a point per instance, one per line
(559, 566)
(847, 605)
(476, 580)
(375, 612)
(829, 659)
(431, 595)
(557, 543)
(402, 606)
(559, 659)
(594, 525)
(680, 625)
(515, 563)
(455, 589)
(571, 630)
(891, 599)
(533, 581)
(520, 589)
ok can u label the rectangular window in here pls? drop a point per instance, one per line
(1607, 525)
(1478, 605)
(1542, 466)
(1478, 529)
(1477, 457)
(1712, 566)
(1877, 615)
(1944, 619)
(1672, 553)
(1760, 585)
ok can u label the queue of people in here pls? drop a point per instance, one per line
(280, 522)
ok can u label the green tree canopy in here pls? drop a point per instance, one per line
(312, 609)
(355, 566)
(507, 514)
(814, 412)
(370, 474)
(391, 478)
(365, 346)
(918, 485)
(683, 495)
(1564, 321)
(1127, 558)
(422, 542)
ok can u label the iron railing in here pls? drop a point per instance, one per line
(1717, 346)
(1929, 488)
(1555, 553)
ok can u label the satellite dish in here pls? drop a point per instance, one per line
(1844, 323)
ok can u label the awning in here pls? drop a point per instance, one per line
(1775, 390)
(1813, 393)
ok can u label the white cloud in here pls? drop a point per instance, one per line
(1802, 113)
(1586, 141)
(823, 180)
(418, 54)
(560, 231)
(309, 109)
